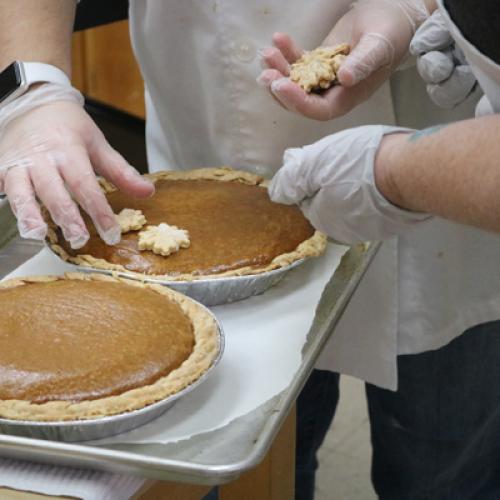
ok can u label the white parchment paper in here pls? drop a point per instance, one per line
(264, 339)
(67, 481)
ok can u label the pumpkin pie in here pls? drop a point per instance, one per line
(84, 346)
(234, 228)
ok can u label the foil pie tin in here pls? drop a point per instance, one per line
(99, 428)
(216, 291)
(210, 291)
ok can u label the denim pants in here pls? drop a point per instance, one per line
(316, 407)
(436, 438)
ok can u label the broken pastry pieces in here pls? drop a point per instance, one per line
(163, 239)
(317, 70)
(130, 220)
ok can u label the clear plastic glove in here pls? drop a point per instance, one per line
(379, 33)
(441, 64)
(333, 182)
(49, 150)
(484, 107)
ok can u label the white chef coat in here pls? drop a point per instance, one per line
(199, 59)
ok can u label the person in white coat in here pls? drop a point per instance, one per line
(199, 61)
(437, 436)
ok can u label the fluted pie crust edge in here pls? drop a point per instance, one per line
(312, 247)
(205, 351)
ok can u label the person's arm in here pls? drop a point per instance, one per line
(376, 181)
(431, 5)
(50, 148)
(452, 171)
(379, 33)
(37, 30)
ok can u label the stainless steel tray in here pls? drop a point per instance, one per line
(211, 292)
(215, 457)
(86, 430)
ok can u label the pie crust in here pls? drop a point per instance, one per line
(130, 220)
(311, 247)
(205, 351)
(163, 239)
(317, 70)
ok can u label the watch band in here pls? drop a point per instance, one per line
(35, 72)
(16, 78)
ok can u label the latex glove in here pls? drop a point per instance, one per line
(379, 32)
(333, 182)
(484, 107)
(49, 149)
(441, 64)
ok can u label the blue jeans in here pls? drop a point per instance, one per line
(316, 406)
(436, 438)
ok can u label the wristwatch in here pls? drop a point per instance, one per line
(16, 78)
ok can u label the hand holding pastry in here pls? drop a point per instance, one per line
(378, 33)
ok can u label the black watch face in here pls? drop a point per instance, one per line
(10, 80)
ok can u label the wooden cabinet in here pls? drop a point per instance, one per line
(104, 68)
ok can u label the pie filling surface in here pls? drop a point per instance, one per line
(231, 225)
(79, 340)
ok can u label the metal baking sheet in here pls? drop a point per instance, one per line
(213, 291)
(215, 457)
(86, 430)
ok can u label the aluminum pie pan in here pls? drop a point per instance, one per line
(99, 428)
(208, 291)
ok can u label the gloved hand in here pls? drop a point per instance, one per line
(441, 64)
(49, 149)
(379, 33)
(333, 182)
(484, 107)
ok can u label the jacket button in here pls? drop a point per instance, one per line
(244, 51)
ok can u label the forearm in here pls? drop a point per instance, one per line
(453, 172)
(431, 5)
(37, 30)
